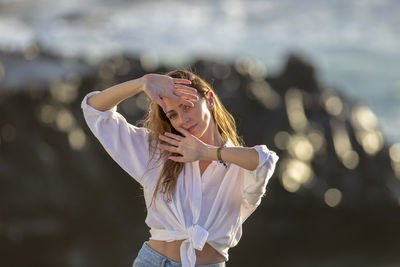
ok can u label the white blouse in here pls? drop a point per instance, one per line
(205, 208)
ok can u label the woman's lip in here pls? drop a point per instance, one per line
(191, 128)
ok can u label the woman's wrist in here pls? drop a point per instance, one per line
(137, 85)
(213, 153)
(209, 153)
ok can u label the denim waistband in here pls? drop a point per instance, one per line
(158, 257)
(154, 258)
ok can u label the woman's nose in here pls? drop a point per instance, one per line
(184, 118)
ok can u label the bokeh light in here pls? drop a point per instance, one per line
(371, 141)
(77, 138)
(47, 113)
(295, 109)
(65, 120)
(350, 159)
(301, 148)
(296, 173)
(394, 153)
(281, 140)
(364, 118)
(251, 66)
(342, 144)
(366, 129)
(265, 94)
(64, 92)
(333, 197)
(317, 140)
(334, 105)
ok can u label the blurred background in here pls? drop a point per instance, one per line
(316, 81)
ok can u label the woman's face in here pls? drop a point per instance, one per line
(196, 119)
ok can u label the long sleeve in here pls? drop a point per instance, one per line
(255, 182)
(124, 142)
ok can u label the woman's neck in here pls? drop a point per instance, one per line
(214, 137)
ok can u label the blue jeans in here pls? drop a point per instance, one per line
(148, 257)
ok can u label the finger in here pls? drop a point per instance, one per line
(177, 80)
(169, 140)
(174, 136)
(189, 96)
(177, 159)
(186, 88)
(183, 131)
(168, 148)
(161, 103)
(183, 101)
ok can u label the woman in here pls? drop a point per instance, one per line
(199, 183)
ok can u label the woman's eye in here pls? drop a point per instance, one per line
(187, 107)
(173, 116)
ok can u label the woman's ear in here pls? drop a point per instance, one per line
(210, 100)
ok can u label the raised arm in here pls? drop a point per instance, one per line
(112, 96)
(245, 157)
(191, 149)
(156, 86)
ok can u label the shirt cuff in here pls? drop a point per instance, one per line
(267, 159)
(255, 182)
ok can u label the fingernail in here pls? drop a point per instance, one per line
(169, 159)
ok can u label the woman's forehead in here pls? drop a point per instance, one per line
(172, 103)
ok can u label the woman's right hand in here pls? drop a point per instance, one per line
(158, 86)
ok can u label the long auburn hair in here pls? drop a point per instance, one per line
(158, 123)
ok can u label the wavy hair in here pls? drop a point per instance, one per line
(158, 123)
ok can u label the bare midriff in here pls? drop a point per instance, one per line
(171, 250)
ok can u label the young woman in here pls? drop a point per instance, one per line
(200, 184)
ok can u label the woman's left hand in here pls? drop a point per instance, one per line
(189, 146)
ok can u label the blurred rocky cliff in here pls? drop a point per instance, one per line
(333, 201)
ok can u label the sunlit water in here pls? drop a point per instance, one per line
(354, 43)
